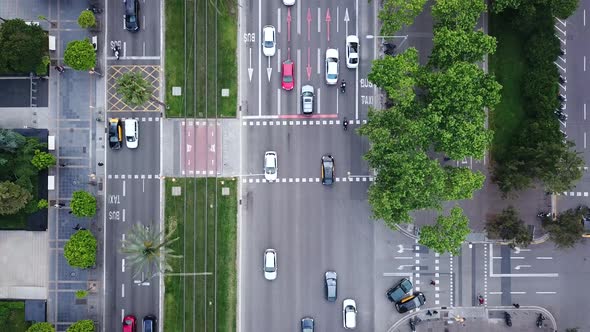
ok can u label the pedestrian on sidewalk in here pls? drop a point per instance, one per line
(62, 165)
(60, 69)
(100, 163)
(70, 212)
(433, 283)
(480, 299)
(516, 305)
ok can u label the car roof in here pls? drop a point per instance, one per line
(287, 67)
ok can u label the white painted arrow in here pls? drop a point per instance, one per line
(518, 250)
(269, 69)
(401, 248)
(250, 69)
(346, 19)
(518, 267)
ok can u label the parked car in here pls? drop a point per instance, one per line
(270, 264)
(269, 41)
(307, 95)
(352, 51)
(270, 166)
(331, 291)
(410, 302)
(327, 169)
(131, 133)
(288, 2)
(399, 290)
(349, 313)
(331, 66)
(131, 15)
(307, 324)
(149, 323)
(288, 80)
(115, 133)
(129, 323)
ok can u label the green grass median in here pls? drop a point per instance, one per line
(203, 296)
(201, 42)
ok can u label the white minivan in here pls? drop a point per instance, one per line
(131, 133)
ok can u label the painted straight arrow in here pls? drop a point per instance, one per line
(346, 19)
(250, 69)
(518, 267)
(269, 69)
(328, 19)
(308, 24)
(289, 24)
(308, 68)
(401, 267)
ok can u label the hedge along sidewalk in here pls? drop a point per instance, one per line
(208, 244)
(205, 60)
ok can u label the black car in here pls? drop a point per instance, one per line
(399, 290)
(410, 302)
(149, 323)
(115, 133)
(131, 15)
(331, 278)
(327, 169)
(307, 324)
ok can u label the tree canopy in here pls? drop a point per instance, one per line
(458, 14)
(80, 250)
(83, 204)
(23, 46)
(397, 75)
(82, 326)
(509, 227)
(134, 89)
(451, 46)
(567, 230)
(43, 160)
(41, 327)
(396, 14)
(80, 55)
(447, 234)
(12, 197)
(86, 19)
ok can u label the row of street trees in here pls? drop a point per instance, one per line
(437, 112)
(86, 325)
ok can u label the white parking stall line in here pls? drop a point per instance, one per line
(319, 20)
(124, 47)
(278, 102)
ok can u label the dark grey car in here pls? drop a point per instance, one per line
(399, 290)
(131, 15)
(331, 289)
(307, 324)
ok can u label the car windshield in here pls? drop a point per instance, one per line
(354, 60)
(269, 264)
(268, 44)
(270, 169)
(130, 138)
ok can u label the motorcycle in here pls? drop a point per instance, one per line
(345, 124)
(94, 9)
(507, 318)
(117, 52)
(560, 115)
(540, 320)
(389, 48)
(343, 86)
(543, 215)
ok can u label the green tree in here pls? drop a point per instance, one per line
(447, 234)
(86, 19)
(565, 168)
(458, 14)
(458, 97)
(80, 55)
(41, 327)
(397, 75)
(42, 204)
(461, 182)
(83, 204)
(43, 68)
(12, 198)
(567, 230)
(81, 293)
(499, 5)
(564, 8)
(10, 140)
(82, 326)
(146, 252)
(80, 250)
(394, 14)
(134, 89)
(43, 160)
(509, 227)
(451, 46)
(23, 46)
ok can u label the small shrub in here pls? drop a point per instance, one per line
(86, 19)
(43, 160)
(41, 327)
(42, 204)
(82, 293)
(82, 326)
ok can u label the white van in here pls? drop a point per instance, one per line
(131, 133)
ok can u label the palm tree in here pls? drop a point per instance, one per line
(149, 250)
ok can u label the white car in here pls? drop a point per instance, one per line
(331, 66)
(352, 51)
(269, 41)
(349, 313)
(131, 133)
(270, 166)
(288, 2)
(270, 264)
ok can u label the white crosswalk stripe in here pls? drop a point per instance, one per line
(134, 176)
(300, 123)
(308, 180)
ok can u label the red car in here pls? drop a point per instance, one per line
(129, 323)
(288, 81)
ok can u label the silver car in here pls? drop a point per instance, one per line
(270, 264)
(307, 99)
